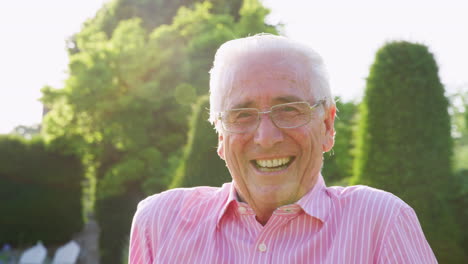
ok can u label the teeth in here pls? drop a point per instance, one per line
(272, 162)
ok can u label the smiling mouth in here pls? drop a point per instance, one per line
(268, 165)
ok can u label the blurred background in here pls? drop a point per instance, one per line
(103, 103)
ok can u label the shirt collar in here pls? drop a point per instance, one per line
(232, 197)
(315, 203)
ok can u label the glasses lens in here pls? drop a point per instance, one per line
(240, 120)
(291, 115)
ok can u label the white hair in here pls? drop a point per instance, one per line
(234, 52)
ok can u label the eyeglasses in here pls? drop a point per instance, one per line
(289, 115)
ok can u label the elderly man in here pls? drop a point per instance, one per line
(272, 107)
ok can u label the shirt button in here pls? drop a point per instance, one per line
(242, 210)
(262, 247)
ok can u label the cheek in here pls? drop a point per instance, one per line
(310, 142)
(236, 161)
(234, 147)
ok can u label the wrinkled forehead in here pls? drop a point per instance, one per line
(268, 66)
(266, 63)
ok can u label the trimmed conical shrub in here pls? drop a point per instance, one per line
(404, 144)
(200, 164)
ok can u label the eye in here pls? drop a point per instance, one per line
(244, 114)
(289, 109)
(240, 115)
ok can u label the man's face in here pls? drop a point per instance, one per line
(296, 152)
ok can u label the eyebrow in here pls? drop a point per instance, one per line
(288, 99)
(279, 100)
(243, 105)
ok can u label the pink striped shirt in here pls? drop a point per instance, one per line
(355, 224)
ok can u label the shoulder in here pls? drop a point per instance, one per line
(382, 222)
(176, 202)
(367, 204)
(367, 211)
(365, 195)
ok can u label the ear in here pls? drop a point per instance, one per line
(329, 122)
(221, 146)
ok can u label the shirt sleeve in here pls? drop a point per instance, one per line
(405, 242)
(139, 251)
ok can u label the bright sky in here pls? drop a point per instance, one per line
(33, 54)
(346, 33)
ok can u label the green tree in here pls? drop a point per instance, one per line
(462, 205)
(404, 144)
(459, 114)
(200, 164)
(153, 77)
(153, 14)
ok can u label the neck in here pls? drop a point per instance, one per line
(263, 216)
(263, 212)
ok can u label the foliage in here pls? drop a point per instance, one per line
(459, 113)
(125, 251)
(113, 213)
(338, 163)
(154, 77)
(200, 164)
(42, 187)
(153, 13)
(404, 144)
(462, 205)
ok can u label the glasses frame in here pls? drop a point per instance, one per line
(311, 107)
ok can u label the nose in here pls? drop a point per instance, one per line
(267, 134)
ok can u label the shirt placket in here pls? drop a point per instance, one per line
(263, 249)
